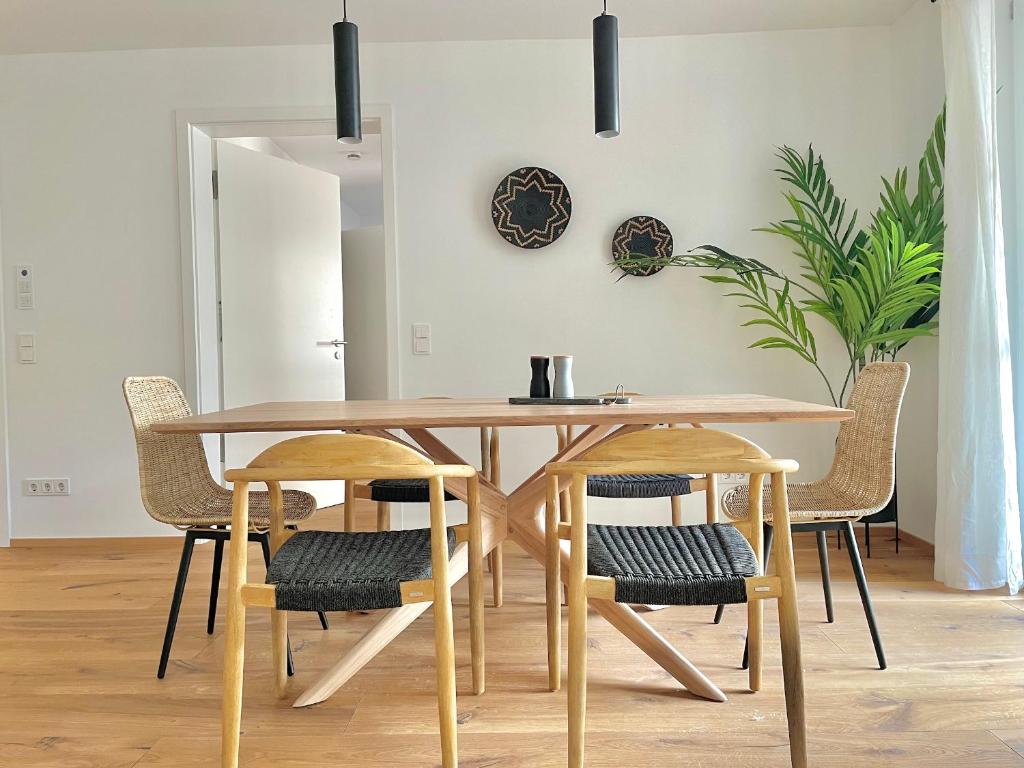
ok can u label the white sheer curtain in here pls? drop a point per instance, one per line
(978, 525)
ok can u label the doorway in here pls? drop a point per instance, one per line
(293, 148)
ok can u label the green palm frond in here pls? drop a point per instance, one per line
(921, 218)
(825, 232)
(889, 284)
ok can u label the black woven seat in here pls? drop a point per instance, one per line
(672, 565)
(331, 571)
(413, 491)
(638, 486)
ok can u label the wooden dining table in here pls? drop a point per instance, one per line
(517, 515)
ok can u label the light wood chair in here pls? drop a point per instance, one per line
(178, 489)
(859, 484)
(326, 570)
(388, 492)
(672, 565)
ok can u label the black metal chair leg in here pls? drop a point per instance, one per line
(865, 596)
(179, 590)
(769, 534)
(218, 557)
(867, 537)
(265, 544)
(719, 612)
(826, 576)
(896, 518)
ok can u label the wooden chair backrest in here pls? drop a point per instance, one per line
(671, 451)
(343, 457)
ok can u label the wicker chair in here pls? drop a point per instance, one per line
(671, 565)
(178, 489)
(859, 484)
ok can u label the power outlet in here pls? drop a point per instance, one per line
(733, 478)
(47, 486)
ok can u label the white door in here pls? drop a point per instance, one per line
(280, 290)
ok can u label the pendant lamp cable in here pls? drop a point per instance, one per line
(605, 11)
(344, 10)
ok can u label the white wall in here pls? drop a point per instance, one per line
(5, 491)
(88, 176)
(917, 97)
(363, 276)
(354, 219)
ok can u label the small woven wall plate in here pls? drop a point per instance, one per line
(531, 207)
(645, 235)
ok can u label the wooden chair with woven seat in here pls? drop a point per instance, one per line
(178, 489)
(701, 564)
(388, 492)
(347, 571)
(859, 484)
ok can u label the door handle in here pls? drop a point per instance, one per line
(332, 343)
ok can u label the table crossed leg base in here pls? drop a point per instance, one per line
(517, 516)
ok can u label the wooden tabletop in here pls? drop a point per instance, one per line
(478, 412)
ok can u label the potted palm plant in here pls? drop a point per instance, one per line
(877, 287)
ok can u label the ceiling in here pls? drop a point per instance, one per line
(40, 26)
(328, 154)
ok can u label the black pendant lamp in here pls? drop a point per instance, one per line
(346, 80)
(606, 75)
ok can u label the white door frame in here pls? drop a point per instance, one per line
(196, 129)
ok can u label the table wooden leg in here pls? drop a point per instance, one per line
(522, 511)
(527, 529)
(629, 623)
(373, 642)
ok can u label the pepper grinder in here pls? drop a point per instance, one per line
(539, 384)
(563, 377)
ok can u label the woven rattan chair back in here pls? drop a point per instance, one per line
(863, 472)
(173, 474)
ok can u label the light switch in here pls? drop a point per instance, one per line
(23, 283)
(26, 348)
(421, 338)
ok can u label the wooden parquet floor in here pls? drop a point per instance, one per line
(81, 624)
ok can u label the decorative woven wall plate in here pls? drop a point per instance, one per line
(644, 235)
(531, 207)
